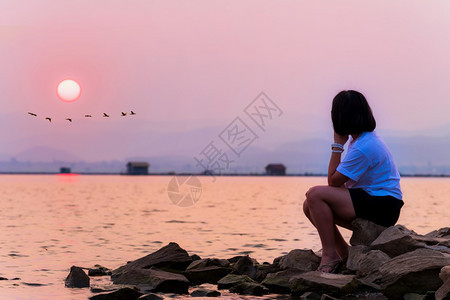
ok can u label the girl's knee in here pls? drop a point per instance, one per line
(315, 192)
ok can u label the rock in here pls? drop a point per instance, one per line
(99, 270)
(414, 272)
(205, 293)
(396, 240)
(195, 257)
(440, 233)
(170, 257)
(328, 297)
(365, 232)
(233, 279)
(77, 278)
(444, 291)
(365, 295)
(279, 282)
(413, 296)
(124, 293)
(150, 296)
(303, 260)
(310, 296)
(333, 284)
(159, 281)
(263, 270)
(207, 270)
(355, 254)
(245, 266)
(368, 270)
(249, 288)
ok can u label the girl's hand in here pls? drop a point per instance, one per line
(340, 139)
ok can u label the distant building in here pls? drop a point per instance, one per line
(275, 169)
(137, 168)
(64, 170)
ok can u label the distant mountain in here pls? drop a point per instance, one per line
(45, 154)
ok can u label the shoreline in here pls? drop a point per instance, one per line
(203, 175)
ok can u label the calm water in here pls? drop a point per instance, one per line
(51, 222)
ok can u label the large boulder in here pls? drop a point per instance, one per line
(245, 266)
(263, 270)
(440, 233)
(170, 257)
(355, 253)
(77, 278)
(444, 291)
(365, 232)
(414, 272)
(123, 293)
(207, 270)
(303, 260)
(396, 240)
(280, 282)
(332, 284)
(368, 270)
(233, 279)
(158, 280)
(205, 293)
(249, 288)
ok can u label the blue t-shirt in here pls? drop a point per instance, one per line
(370, 167)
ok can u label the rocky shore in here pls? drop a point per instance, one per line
(383, 263)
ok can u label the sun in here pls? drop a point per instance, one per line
(68, 90)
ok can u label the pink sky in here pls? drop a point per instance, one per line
(192, 64)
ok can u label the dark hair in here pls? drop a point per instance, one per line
(351, 114)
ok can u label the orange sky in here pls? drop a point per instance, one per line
(192, 64)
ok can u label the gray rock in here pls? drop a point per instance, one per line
(170, 257)
(249, 288)
(233, 279)
(413, 296)
(396, 240)
(205, 293)
(310, 296)
(77, 278)
(124, 293)
(440, 233)
(150, 296)
(245, 266)
(210, 274)
(333, 284)
(365, 232)
(158, 280)
(280, 282)
(355, 253)
(444, 291)
(368, 270)
(328, 297)
(414, 272)
(303, 260)
(99, 270)
(207, 270)
(365, 295)
(263, 270)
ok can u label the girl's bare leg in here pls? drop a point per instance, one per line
(327, 206)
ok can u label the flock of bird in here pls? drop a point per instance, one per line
(105, 115)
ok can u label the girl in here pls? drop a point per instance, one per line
(365, 184)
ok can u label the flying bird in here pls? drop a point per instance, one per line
(124, 114)
(87, 116)
(105, 115)
(32, 114)
(132, 113)
(69, 119)
(49, 119)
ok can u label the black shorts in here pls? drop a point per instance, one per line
(382, 210)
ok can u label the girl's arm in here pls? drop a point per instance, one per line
(334, 177)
